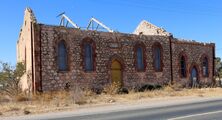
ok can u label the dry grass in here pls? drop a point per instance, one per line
(63, 100)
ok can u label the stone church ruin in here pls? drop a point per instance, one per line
(58, 55)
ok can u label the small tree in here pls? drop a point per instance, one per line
(218, 65)
(10, 77)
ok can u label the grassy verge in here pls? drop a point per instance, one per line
(63, 100)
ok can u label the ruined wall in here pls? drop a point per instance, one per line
(24, 48)
(194, 53)
(147, 28)
(108, 46)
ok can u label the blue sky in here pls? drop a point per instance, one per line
(199, 20)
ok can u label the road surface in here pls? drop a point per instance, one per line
(196, 111)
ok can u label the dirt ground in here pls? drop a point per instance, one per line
(66, 101)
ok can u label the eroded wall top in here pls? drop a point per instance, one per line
(147, 28)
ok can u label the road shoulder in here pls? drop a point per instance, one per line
(115, 107)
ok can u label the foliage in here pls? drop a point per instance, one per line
(218, 66)
(148, 87)
(10, 77)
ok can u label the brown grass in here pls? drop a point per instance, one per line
(22, 98)
(69, 100)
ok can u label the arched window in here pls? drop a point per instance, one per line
(157, 51)
(183, 73)
(139, 59)
(194, 76)
(205, 67)
(62, 56)
(88, 56)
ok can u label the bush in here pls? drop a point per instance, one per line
(122, 91)
(158, 87)
(97, 90)
(10, 78)
(26, 112)
(77, 94)
(148, 87)
(111, 89)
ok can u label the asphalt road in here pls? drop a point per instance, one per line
(211, 110)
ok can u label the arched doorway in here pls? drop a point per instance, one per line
(194, 77)
(116, 73)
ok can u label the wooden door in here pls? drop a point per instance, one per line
(116, 73)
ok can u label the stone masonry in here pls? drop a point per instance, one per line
(37, 48)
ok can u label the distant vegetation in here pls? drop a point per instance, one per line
(10, 77)
(218, 65)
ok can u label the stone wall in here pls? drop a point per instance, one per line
(108, 46)
(194, 53)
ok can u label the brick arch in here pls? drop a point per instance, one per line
(136, 46)
(203, 56)
(183, 54)
(64, 41)
(91, 42)
(118, 58)
(154, 46)
(60, 37)
(88, 40)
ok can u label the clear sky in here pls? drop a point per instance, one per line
(199, 20)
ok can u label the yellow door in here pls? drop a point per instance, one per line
(116, 73)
